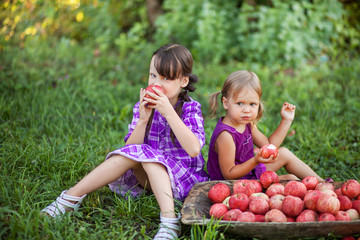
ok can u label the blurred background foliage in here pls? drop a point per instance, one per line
(272, 32)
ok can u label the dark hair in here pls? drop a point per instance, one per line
(174, 61)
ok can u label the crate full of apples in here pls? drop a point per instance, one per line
(268, 200)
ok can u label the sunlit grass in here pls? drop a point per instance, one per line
(59, 117)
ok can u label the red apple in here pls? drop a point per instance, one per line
(351, 188)
(310, 182)
(239, 201)
(219, 192)
(349, 238)
(307, 215)
(342, 216)
(257, 184)
(275, 202)
(151, 90)
(275, 188)
(345, 203)
(218, 210)
(329, 192)
(290, 219)
(244, 186)
(275, 215)
(311, 199)
(327, 203)
(258, 194)
(295, 188)
(268, 177)
(259, 206)
(338, 192)
(324, 186)
(246, 217)
(356, 205)
(268, 150)
(354, 215)
(326, 217)
(259, 218)
(232, 215)
(292, 206)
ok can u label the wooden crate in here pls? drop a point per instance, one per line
(196, 207)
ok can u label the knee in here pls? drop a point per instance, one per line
(121, 161)
(148, 166)
(288, 177)
(283, 150)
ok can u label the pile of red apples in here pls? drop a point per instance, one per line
(267, 200)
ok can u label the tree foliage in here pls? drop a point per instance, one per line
(273, 33)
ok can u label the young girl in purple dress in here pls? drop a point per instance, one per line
(163, 146)
(231, 149)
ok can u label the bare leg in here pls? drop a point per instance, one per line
(105, 173)
(292, 165)
(161, 187)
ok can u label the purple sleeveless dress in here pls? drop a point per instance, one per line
(244, 151)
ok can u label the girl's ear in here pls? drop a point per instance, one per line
(224, 103)
(184, 81)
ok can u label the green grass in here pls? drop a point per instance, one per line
(62, 110)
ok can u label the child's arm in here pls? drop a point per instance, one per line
(225, 147)
(187, 139)
(278, 136)
(138, 134)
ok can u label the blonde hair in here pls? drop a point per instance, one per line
(233, 84)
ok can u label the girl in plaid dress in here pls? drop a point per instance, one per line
(163, 146)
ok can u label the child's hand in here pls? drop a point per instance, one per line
(144, 111)
(159, 101)
(288, 111)
(260, 159)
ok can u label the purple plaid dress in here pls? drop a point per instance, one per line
(184, 171)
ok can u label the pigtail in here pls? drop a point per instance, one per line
(184, 97)
(213, 103)
(149, 123)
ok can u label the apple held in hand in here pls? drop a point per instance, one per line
(151, 90)
(268, 150)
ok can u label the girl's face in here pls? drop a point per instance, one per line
(172, 87)
(243, 107)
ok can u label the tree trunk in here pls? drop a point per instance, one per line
(153, 9)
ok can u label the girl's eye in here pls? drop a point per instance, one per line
(152, 75)
(252, 104)
(240, 103)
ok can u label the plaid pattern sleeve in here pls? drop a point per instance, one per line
(193, 119)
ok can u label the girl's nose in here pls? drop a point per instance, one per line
(246, 108)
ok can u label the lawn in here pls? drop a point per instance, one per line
(64, 107)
